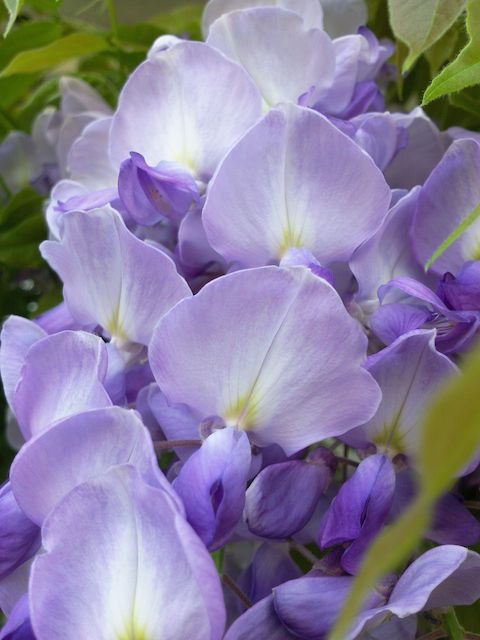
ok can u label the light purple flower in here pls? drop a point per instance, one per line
(212, 484)
(317, 191)
(255, 39)
(146, 573)
(271, 351)
(111, 278)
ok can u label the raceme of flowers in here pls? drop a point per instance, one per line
(242, 247)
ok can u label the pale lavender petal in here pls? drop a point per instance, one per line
(307, 195)
(77, 96)
(387, 255)
(310, 10)
(212, 484)
(451, 192)
(112, 278)
(147, 572)
(424, 149)
(255, 38)
(409, 372)
(262, 349)
(17, 336)
(77, 449)
(444, 576)
(187, 106)
(62, 375)
(88, 161)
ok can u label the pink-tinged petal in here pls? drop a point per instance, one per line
(62, 375)
(270, 350)
(408, 372)
(310, 10)
(148, 575)
(112, 278)
(318, 190)
(17, 336)
(188, 106)
(451, 192)
(77, 449)
(255, 39)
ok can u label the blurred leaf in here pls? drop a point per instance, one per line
(470, 617)
(19, 245)
(464, 71)
(468, 100)
(28, 36)
(141, 36)
(184, 20)
(420, 24)
(453, 417)
(456, 233)
(14, 88)
(22, 205)
(47, 93)
(13, 8)
(73, 46)
(444, 48)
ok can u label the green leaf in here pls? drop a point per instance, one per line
(443, 50)
(385, 553)
(73, 46)
(22, 205)
(19, 245)
(456, 233)
(420, 24)
(464, 71)
(453, 418)
(28, 36)
(13, 8)
(183, 20)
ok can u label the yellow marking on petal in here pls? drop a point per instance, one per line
(242, 413)
(389, 439)
(135, 633)
(114, 327)
(291, 239)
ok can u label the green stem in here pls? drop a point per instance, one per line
(452, 626)
(113, 18)
(217, 557)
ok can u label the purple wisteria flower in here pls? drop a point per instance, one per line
(225, 409)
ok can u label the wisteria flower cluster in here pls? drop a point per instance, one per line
(232, 389)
